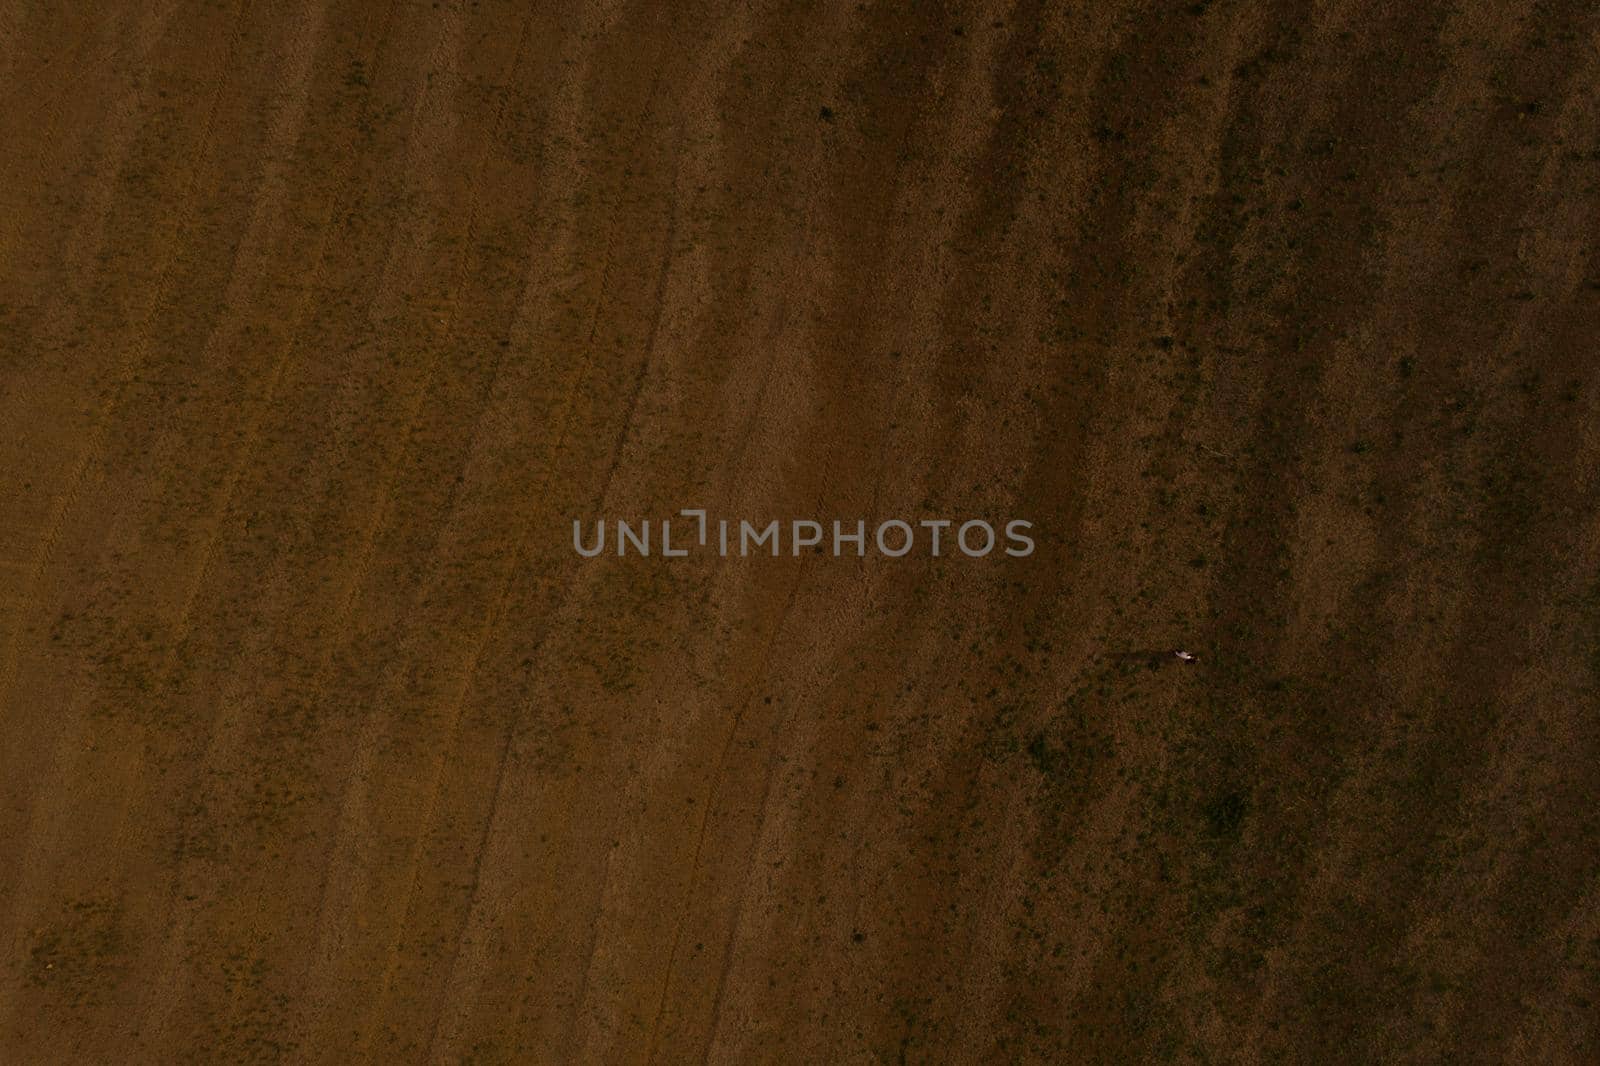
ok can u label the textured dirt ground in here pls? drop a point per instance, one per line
(321, 320)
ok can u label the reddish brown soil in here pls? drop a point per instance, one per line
(321, 320)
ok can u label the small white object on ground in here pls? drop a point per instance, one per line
(1186, 656)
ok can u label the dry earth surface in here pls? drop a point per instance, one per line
(321, 320)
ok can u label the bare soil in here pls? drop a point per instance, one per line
(321, 320)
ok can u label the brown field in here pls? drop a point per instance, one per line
(321, 320)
